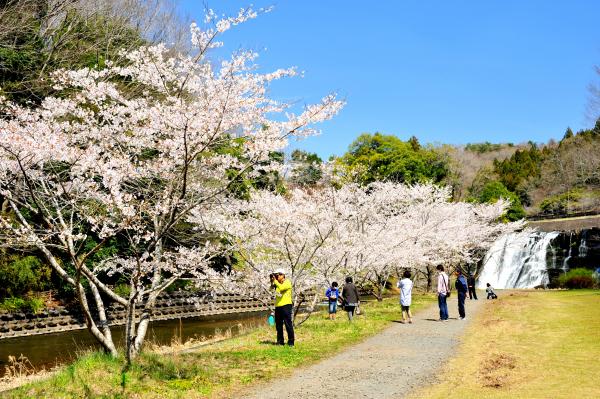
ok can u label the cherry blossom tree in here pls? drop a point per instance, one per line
(399, 226)
(298, 232)
(453, 233)
(102, 162)
(323, 234)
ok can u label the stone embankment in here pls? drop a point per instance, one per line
(168, 306)
(575, 224)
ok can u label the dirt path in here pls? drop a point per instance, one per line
(391, 364)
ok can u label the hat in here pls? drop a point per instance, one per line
(279, 271)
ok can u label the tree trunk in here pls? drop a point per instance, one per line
(311, 308)
(130, 352)
(429, 278)
(142, 328)
(379, 292)
(103, 336)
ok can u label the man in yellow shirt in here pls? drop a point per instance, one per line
(283, 306)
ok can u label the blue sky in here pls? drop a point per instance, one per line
(444, 71)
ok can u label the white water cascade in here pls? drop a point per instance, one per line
(517, 260)
(583, 248)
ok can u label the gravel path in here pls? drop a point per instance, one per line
(391, 364)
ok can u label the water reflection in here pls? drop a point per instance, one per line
(49, 350)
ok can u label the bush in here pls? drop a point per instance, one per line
(12, 304)
(560, 203)
(19, 275)
(577, 278)
(35, 304)
(15, 304)
(122, 290)
(580, 282)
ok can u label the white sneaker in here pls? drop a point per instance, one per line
(463, 318)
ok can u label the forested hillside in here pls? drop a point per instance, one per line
(38, 37)
(554, 178)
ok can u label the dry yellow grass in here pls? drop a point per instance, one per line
(528, 345)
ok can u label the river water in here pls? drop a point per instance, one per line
(49, 350)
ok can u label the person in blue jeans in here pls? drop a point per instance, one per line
(462, 288)
(332, 294)
(442, 291)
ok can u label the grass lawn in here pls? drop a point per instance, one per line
(219, 370)
(528, 345)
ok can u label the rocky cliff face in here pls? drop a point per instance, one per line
(520, 260)
(571, 250)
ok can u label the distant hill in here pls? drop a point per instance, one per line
(555, 178)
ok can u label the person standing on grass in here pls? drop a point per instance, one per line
(283, 306)
(461, 289)
(350, 298)
(406, 286)
(442, 291)
(472, 291)
(332, 294)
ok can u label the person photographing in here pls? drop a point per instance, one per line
(283, 306)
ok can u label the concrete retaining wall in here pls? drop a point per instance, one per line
(174, 306)
(567, 224)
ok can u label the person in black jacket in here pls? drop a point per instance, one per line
(350, 297)
(472, 292)
(461, 288)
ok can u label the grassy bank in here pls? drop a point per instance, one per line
(528, 345)
(218, 370)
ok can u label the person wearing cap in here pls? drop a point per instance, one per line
(283, 306)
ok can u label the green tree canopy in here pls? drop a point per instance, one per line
(495, 190)
(522, 165)
(373, 157)
(568, 134)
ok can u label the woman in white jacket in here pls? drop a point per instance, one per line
(406, 286)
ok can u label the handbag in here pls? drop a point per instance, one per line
(448, 292)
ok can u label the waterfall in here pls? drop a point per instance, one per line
(565, 266)
(583, 248)
(517, 260)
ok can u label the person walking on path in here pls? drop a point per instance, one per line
(472, 291)
(350, 298)
(406, 286)
(283, 306)
(332, 294)
(442, 291)
(461, 289)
